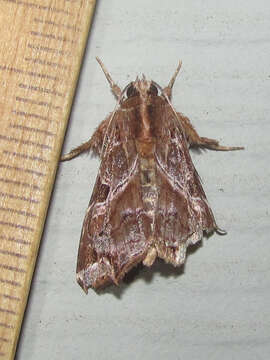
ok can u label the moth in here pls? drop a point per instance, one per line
(148, 200)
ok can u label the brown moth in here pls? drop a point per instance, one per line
(148, 200)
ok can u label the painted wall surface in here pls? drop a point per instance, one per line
(217, 306)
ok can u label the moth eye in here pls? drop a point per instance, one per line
(131, 91)
(153, 90)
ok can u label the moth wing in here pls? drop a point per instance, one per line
(116, 227)
(182, 212)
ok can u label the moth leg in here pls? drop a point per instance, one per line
(115, 88)
(194, 140)
(168, 89)
(94, 144)
(78, 150)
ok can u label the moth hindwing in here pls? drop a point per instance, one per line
(148, 201)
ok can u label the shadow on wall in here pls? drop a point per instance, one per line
(147, 274)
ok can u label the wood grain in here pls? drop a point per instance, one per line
(41, 49)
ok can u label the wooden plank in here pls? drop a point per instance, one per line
(41, 49)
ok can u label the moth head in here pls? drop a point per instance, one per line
(142, 88)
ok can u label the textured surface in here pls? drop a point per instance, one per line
(217, 306)
(37, 84)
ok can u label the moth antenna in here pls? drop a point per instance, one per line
(114, 87)
(168, 89)
(171, 83)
